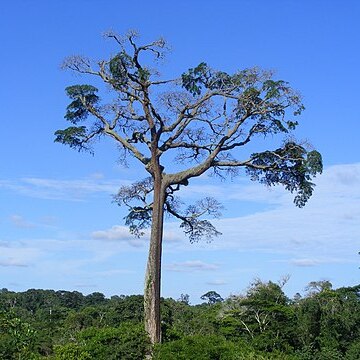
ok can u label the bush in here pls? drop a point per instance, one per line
(17, 338)
(127, 342)
(71, 351)
(196, 347)
(210, 347)
(354, 351)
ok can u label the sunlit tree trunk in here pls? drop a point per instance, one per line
(153, 270)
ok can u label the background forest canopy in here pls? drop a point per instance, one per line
(262, 323)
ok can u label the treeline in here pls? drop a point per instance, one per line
(262, 323)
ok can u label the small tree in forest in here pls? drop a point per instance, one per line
(212, 297)
(201, 120)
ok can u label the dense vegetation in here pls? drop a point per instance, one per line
(260, 324)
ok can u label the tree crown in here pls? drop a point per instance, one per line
(203, 118)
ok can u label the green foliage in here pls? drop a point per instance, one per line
(272, 88)
(83, 97)
(180, 319)
(95, 298)
(129, 308)
(212, 297)
(184, 298)
(119, 66)
(211, 347)
(70, 299)
(79, 320)
(197, 347)
(71, 351)
(73, 136)
(263, 317)
(291, 166)
(17, 338)
(194, 78)
(123, 69)
(328, 320)
(260, 324)
(127, 342)
(353, 353)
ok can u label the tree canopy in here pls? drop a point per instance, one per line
(260, 323)
(201, 117)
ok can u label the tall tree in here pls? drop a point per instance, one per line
(200, 119)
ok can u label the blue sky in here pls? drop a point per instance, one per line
(58, 226)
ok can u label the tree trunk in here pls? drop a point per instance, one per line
(153, 270)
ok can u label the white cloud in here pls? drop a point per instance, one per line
(336, 181)
(18, 255)
(305, 262)
(97, 176)
(113, 272)
(12, 262)
(48, 220)
(217, 282)
(83, 185)
(327, 228)
(200, 190)
(122, 233)
(86, 286)
(117, 232)
(55, 189)
(172, 234)
(191, 265)
(308, 262)
(19, 222)
(325, 232)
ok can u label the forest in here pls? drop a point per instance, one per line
(261, 323)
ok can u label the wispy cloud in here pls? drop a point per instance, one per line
(328, 225)
(309, 262)
(327, 228)
(191, 265)
(122, 234)
(18, 255)
(337, 180)
(58, 189)
(20, 222)
(217, 282)
(114, 272)
(305, 262)
(12, 262)
(117, 232)
(323, 233)
(86, 286)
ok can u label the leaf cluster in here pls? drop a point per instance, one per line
(291, 166)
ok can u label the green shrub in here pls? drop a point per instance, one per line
(71, 351)
(354, 351)
(127, 342)
(211, 347)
